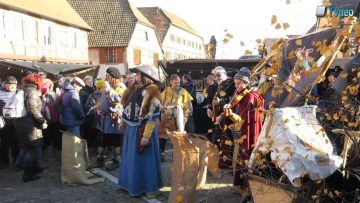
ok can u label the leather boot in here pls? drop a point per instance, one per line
(98, 164)
(30, 175)
(112, 166)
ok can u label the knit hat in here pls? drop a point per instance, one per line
(114, 72)
(10, 80)
(100, 84)
(243, 74)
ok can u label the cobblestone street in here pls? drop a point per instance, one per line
(50, 189)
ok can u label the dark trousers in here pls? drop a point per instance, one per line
(8, 141)
(162, 144)
(190, 126)
(89, 133)
(32, 156)
(52, 136)
(111, 143)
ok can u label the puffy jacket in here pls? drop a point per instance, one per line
(72, 111)
(27, 129)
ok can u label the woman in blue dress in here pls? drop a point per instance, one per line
(140, 171)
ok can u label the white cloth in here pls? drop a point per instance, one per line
(298, 143)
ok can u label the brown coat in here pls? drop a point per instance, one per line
(28, 129)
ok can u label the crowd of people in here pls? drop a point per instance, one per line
(126, 118)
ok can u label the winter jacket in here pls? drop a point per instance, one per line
(84, 94)
(72, 112)
(91, 107)
(107, 100)
(191, 88)
(28, 129)
(5, 96)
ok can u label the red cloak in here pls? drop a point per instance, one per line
(250, 109)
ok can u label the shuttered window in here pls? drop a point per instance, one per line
(137, 56)
(156, 59)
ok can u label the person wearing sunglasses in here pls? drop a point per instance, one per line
(224, 92)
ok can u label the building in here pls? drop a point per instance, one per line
(39, 32)
(122, 36)
(177, 38)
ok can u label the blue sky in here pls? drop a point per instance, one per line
(246, 20)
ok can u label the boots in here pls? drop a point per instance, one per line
(98, 164)
(115, 159)
(39, 167)
(112, 166)
(30, 174)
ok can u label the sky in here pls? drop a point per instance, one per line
(246, 20)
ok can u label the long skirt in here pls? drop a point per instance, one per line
(140, 172)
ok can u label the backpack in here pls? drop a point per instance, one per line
(15, 106)
(51, 110)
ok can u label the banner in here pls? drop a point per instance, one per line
(300, 63)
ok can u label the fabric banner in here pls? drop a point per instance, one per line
(296, 65)
(298, 144)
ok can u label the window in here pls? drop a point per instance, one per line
(183, 41)
(188, 43)
(172, 38)
(2, 25)
(75, 41)
(178, 40)
(156, 59)
(111, 55)
(31, 31)
(137, 56)
(146, 36)
(168, 55)
(47, 33)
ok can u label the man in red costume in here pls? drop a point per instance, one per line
(245, 111)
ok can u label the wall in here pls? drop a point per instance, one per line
(180, 44)
(145, 40)
(29, 38)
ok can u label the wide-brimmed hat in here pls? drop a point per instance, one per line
(78, 81)
(149, 71)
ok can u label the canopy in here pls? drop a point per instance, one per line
(52, 68)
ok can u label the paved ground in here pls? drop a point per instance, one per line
(50, 189)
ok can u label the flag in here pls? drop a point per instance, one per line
(296, 65)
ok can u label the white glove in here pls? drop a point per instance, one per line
(44, 126)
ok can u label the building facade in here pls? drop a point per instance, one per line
(178, 39)
(35, 30)
(122, 36)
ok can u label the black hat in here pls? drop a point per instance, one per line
(114, 72)
(10, 80)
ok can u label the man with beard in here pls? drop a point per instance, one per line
(223, 95)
